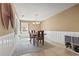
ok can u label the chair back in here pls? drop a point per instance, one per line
(40, 33)
(31, 32)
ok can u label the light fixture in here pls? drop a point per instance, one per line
(33, 22)
(36, 23)
(37, 19)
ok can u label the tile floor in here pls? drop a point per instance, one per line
(23, 47)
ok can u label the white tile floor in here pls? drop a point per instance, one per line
(16, 47)
(8, 44)
(24, 47)
(6, 47)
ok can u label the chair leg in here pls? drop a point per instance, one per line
(30, 40)
(37, 42)
(42, 42)
(33, 41)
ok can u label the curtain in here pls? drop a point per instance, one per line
(7, 15)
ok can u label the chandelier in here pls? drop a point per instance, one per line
(37, 19)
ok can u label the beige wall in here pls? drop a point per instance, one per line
(67, 20)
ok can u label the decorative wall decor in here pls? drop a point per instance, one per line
(7, 15)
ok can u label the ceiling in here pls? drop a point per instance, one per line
(40, 11)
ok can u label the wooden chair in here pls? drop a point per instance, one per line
(40, 37)
(31, 35)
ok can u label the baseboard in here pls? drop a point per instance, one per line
(72, 51)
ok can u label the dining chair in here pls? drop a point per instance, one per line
(31, 34)
(40, 37)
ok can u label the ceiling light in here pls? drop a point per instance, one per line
(37, 22)
(33, 23)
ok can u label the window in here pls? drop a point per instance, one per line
(23, 26)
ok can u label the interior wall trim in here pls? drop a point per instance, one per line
(59, 36)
